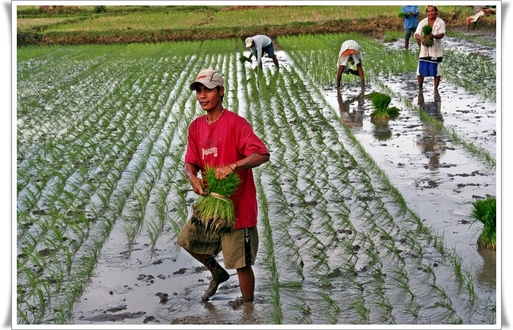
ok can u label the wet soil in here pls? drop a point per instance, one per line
(438, 181)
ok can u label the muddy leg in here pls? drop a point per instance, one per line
(246, 283)
(219, 274)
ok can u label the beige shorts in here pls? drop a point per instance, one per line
(237, 251)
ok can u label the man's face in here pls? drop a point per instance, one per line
(431, 12)
(208, 99)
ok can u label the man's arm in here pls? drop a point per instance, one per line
(191, 172)
(339, 75)
(251, 161)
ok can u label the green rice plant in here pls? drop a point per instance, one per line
(468, 281)
(444, 301)
(401, 15)
(457, 264)
(215, 210)
(400, 276)
(413, 308)
(484, 211)
(363, 312)
(332, 309)
(427, 29)
(275, 312)
(153, 229)
(438, 242)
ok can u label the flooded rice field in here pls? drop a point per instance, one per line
(361, 223)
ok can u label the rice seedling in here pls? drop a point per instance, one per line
(215, 211)
(427, 30)
(413, 308)
(400, 276)
(333, 308)
(484, 211)
(362, 311)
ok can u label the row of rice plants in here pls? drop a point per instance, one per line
(99, 138)
(51, 199)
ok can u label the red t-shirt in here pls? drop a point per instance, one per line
(224, 142)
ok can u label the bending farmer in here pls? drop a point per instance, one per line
(350, 52)
(259, 45)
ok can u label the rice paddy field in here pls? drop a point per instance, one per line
(361, 224)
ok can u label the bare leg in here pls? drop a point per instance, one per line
(275, 60)
(420, 80)
(437, 82)
(219, 274)
(246, 283)
(406, 43)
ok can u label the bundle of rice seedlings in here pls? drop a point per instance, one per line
(485, 212)
(381, 103)
(215, 211)
(401, 15)
(427, 29)
(243, 59)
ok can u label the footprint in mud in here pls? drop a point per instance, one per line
(146, 278)
(164, 297)
(111, 312)
(150, 318)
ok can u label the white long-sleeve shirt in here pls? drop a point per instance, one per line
(260, 41)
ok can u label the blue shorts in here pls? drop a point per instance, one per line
(428, 69)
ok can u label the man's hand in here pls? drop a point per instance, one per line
(223, 172)
(197, 185)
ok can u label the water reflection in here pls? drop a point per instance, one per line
(432, 142)
(487, 272)
(353, 119)
(382, 131)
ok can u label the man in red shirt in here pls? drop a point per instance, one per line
(224, 140)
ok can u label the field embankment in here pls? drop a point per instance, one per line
(74, 25)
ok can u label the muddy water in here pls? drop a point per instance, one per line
(438, 179)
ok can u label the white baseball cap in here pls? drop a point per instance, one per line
(210, 78)
(249, 41)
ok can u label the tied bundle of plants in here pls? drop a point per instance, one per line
(485, 211)
(426, 30)
(215, 210)
(381, 103)
(401, 15)
(243, 59)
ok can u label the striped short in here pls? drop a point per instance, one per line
(239, 247)
(429, 68)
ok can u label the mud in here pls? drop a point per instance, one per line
(165, 286)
